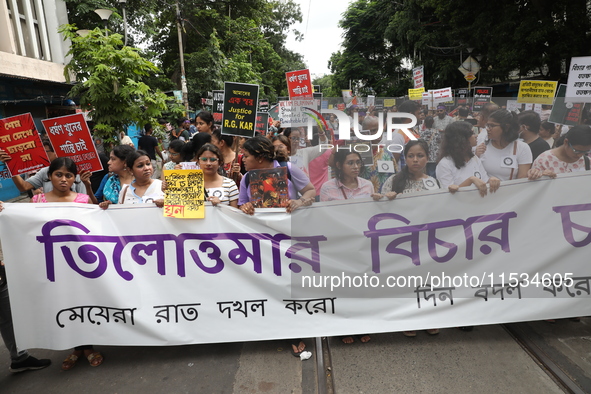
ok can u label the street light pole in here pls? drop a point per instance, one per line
(124, 20)
(105, 15)
(182, 59)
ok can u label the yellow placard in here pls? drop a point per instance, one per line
(536, 92)
(185, 194)
(416, 94)
(389, 102)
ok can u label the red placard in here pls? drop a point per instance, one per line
(71, 138)
(20, 139)
(299, 84)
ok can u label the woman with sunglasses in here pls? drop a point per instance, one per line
(505, 156)
(571, 156)
(218, 188)
(459, 166)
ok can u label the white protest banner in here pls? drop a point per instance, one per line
(428, 100)
(292, 113)
(417, 77)
(578, 86)
(441, 95)
(129, 276)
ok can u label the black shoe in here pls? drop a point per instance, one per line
(466, 328)
(29, 363)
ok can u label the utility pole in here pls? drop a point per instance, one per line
(182, 59)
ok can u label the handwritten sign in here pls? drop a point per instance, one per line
(240, 108)
(536, 92)
(441, 95)
(299, 84)
(578, 87)
(416, 94)
(20, 139)
(417, 78)
(70, 137)
(185, 194)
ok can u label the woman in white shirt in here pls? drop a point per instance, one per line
(458, 166)
(505, 156)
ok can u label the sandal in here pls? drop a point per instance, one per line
(69, 362)
(95, 359)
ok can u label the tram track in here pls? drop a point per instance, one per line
(567, 378)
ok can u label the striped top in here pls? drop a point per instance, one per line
(226, 193)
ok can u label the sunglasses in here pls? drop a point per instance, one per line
(578, 152)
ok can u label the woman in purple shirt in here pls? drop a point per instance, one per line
(259, 153)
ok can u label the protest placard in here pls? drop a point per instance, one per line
(20, 139)
(536, 92)
(299, 84)
(462, 96)
(441, 95)
(417, 78)
(268, 188)
(416, 94)
(70, 137)
(218, 105)
(263, 105)
(565, 113)
(578, 87)
(482, 96)
(185, 194)
(292, 113)
(240, 109)
(262, 122)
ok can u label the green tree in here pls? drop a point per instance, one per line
(234, 40)
(513, 36)
(368, 60)
(110, 83)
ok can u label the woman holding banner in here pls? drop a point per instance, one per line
(143, 189)
(505, 156)
(411, 179)
(571, 156)
(62, 174)
(458, 166)
(119, 175)
(259, 153)
(218, 188)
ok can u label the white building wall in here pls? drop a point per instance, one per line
(33, 48)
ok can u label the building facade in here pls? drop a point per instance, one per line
(32, 61)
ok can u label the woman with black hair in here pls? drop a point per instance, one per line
(412, 178)
(505, 156)
(218, 188)
(119, 175)
(570, 156)
(458, 166)
(347, 184)
(433, 138)
(259, 153)
(204, 122)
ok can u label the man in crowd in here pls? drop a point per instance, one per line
(442, 120)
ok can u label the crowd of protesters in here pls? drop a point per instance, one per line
(481, 150)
